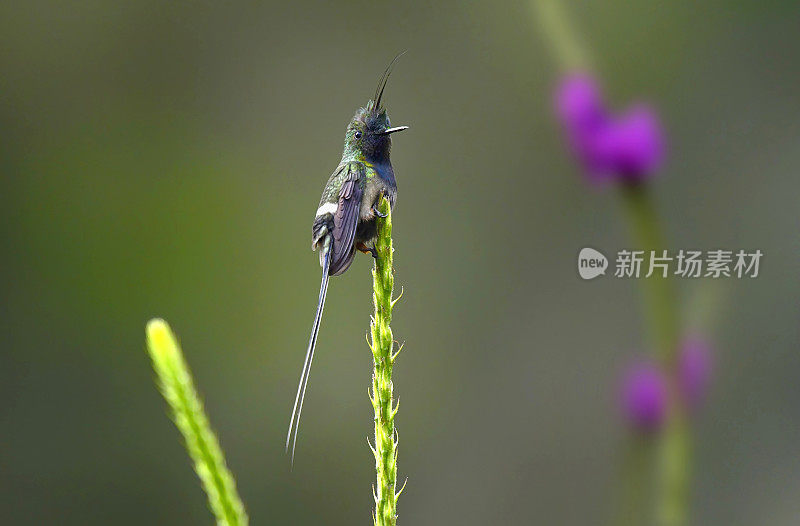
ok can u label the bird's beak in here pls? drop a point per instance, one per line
(392, 130)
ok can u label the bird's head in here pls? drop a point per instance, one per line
(369, 132)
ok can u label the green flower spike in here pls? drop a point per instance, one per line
(177, 386)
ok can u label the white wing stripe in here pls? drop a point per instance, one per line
(327, 208)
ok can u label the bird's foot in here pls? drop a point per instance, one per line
(367, 250)
(378, 212)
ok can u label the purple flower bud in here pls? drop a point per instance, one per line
(695, 365)
(644, 396)
(579, 104)
(581, 110)
(628, 147)
(631, 146)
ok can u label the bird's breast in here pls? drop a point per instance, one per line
(382, 171)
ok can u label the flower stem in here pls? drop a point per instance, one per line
(177, 386)
(674, 468)
(634, 480)
(382, 346)
(673, 447)
(657, 293)
(553, 22)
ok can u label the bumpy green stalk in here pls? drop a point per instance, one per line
(382, 346)
(177, 386)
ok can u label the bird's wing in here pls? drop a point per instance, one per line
(345, 219)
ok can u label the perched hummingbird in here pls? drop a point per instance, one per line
(346, 218)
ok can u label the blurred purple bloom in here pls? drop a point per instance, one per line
(628, 147)
(644, 396)
(631, 146)
(580, 105)
(695, 366)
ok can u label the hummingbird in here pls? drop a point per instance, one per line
(345, 221)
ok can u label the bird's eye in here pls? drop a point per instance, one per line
(357, 135)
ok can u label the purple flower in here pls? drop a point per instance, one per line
(695, 365)
(627, 147)
(644, 396)
(582, 111)
(632, 146)
(580, 105)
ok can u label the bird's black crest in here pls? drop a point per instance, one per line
(374, 105)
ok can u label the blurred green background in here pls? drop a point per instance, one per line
(167, 158)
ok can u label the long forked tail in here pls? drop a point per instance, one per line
(294, 424)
